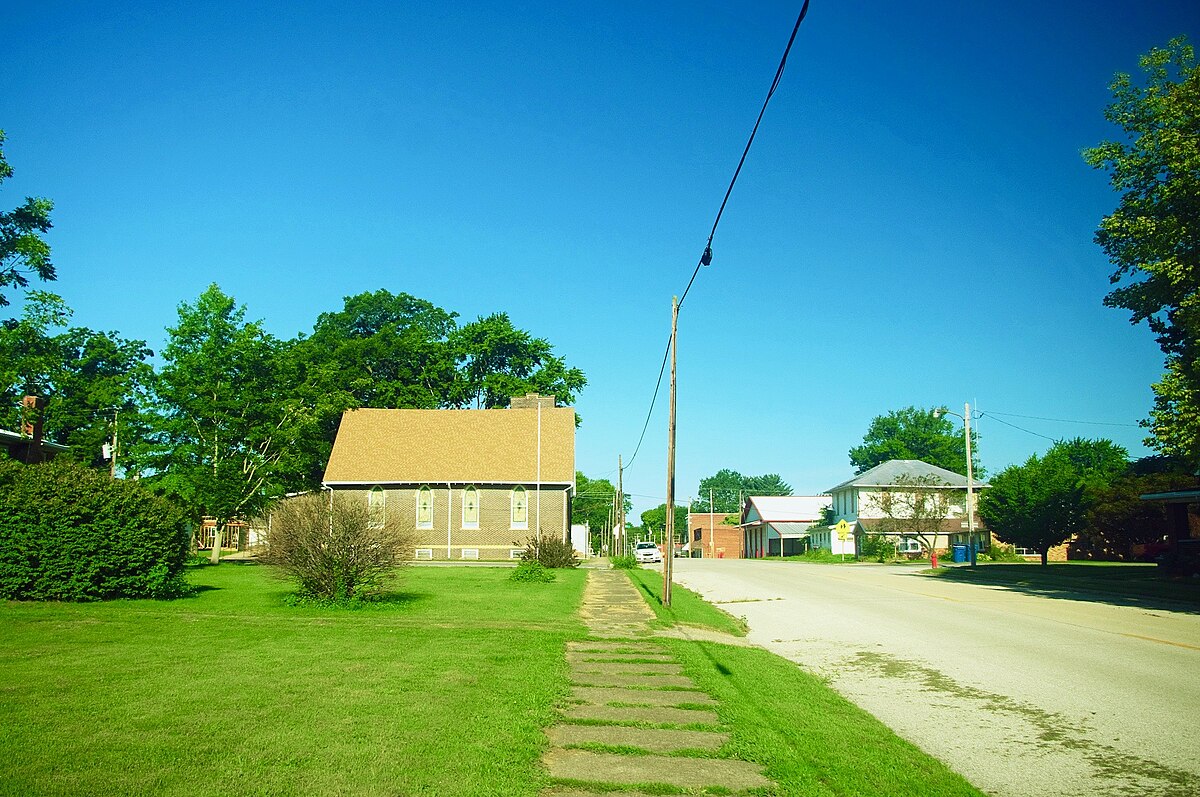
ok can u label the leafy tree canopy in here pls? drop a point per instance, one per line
(89, 378)
(226, 419)
(655, 520)
(1044, 502)
(729, 488)
(498, 361)
(23, 249)
(593, 501)
(914, 433)
(1153, 237)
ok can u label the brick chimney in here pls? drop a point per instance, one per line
(31, 426)
(530, 401)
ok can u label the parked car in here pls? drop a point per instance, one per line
(647, 552)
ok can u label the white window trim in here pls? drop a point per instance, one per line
(466, 524)
(428, 524)
(470, 553)
(423, 553)
(516, 553)
(512, 505)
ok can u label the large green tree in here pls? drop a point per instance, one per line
(655, 520)
(1044, 502)
(226, 417)
(914, 433)
(1153, 237)
(729, 488)
(497, 361)
(593, 504)
(381, 350)
(95, 383)
(24, 251)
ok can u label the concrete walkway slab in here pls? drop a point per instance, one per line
(602, 695)
(574, 657)
(659, 715)
(681, 773)
(628, 668)
(616, 646)
(636, 681)
(655, 740)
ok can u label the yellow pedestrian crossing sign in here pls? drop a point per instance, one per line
(843, 530)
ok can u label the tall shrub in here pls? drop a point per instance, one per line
(74, 534)
(334, 547)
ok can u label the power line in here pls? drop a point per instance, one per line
(653, 400)
(706, 255)
(1063, 420)
(1018, 428)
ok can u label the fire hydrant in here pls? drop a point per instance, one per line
(933, 560)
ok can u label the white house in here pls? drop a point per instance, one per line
(775, 525)
(859, 501)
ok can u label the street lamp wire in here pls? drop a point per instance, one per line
(706, 256)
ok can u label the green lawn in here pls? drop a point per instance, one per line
(1114, 581)
(442, 692)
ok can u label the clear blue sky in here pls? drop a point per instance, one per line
(913, 225)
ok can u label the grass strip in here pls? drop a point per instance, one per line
(443, 687)
(687, 608)
(809, 739)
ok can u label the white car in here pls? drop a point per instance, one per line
(647, 552)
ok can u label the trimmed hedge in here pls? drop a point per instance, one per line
(70, 533)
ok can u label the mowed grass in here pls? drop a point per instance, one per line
(442, 691)
(686, 606)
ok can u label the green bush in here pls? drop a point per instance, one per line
(999, 552)
(625, 562)
(532, 572)
(877, 547)
(549, 552)
(74, 534)
(332, 547)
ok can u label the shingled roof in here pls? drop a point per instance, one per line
(458, 446)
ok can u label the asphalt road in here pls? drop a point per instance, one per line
(1024, 695)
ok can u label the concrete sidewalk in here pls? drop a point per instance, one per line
(635, 719)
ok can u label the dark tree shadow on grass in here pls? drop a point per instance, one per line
(1140, 586)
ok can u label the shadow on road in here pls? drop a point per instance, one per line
(1118, 584)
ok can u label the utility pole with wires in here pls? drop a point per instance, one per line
(620, 498)
(669, 553)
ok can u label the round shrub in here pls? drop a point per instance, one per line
(532, 572)
(70, 533)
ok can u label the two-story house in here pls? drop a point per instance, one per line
(863, 500)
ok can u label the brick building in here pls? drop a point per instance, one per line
(473, 484)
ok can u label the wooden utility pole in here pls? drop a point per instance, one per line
(621, 498)
(669, 554)
(970, 484)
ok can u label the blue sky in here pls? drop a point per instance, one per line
(913, 226)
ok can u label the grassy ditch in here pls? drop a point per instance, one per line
(443, 687)
(686, 606)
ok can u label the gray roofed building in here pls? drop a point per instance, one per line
(897, 471)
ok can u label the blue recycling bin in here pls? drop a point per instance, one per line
(960, 553)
